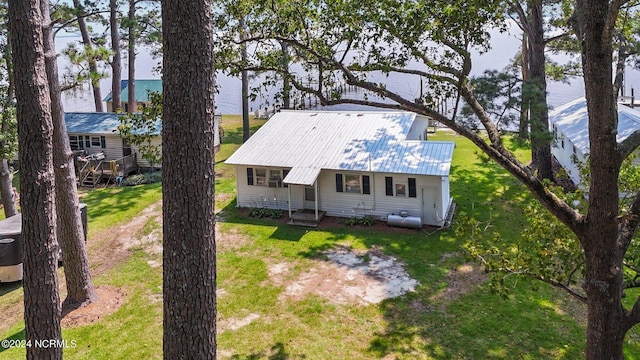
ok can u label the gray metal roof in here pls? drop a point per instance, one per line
(356, 141)
(97, 123)
(300, 175)
(572, 120)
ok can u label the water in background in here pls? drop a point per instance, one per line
(228, 100)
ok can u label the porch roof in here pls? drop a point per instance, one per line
(302, 175)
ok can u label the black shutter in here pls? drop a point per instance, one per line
(284, 175)
(103, 142)
(366, 188)
(339, 183)
(249, 176)
(412, 187)
(388, 184)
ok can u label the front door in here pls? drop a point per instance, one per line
(309, 198)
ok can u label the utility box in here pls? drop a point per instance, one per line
(11, 256)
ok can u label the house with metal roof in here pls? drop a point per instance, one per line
(570, 126)
(346, 164)
(142, 89)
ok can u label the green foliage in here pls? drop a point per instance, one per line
(366, 220)
(140, 179)
(499, 93)
(140, 129)
(265, 213)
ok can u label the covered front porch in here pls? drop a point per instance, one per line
(307, 178)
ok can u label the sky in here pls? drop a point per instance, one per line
(504, 46)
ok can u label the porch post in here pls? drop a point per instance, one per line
(315, 189)
(289, 200)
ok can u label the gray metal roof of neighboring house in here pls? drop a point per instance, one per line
(355, 141)
(104, 123)
(142, 88)
(92, 122)
(572, 120)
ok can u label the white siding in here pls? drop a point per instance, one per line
(343, 204)
(143, 163)
(113, 149)
(418, 129)
(565, 156)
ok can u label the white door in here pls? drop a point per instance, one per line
(309, 197)
(429, 211)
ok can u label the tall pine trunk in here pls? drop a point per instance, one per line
(189, 258)
(603, 253)
(6, 189)
(35, 129)
(80, 290)
(6, 178)
(88, 49)
(132, 106)
(116, 61)
(523, 124)
(538, 109)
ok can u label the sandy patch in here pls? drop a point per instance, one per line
(223, 325)
(348, 278)
(461, 280)
(110, 298)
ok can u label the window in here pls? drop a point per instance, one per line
(355, 184)
(261, 177)
(400, 189)
(76, 142)
(352, 184)
(275, 178)
(249, 176)
(95, 141)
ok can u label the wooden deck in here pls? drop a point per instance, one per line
(306, 217)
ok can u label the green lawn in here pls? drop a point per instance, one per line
(535, 321)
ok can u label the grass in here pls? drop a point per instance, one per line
(534, 322)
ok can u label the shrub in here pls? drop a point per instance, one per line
(265, 213)
(146, 178)
(367, 220)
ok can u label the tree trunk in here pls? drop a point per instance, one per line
(35, 129)
(116, 62)
(189, 260)
(539, 111)
(523, 130)
(131, 85)
(88, 49)
(603, 255)
(246, 130)
(6, 189)
(6, 178)
(286, 86)
(70, 231)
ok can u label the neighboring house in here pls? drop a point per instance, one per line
(346, 164)
(96, 133)
(142, 89)
(570, 126)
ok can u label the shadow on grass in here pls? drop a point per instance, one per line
(277, 352)
(14, 341)
(475, 325)
(100, 202)
(6, 288)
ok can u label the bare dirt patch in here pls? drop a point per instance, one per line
(112, 246)
(223, 325)
(347, 277)
(110, 298)
(229, 240)
(461, 280)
